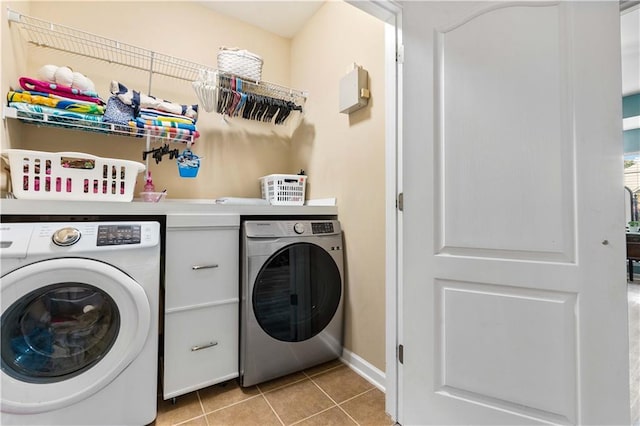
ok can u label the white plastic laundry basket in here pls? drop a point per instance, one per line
(37, 175)
(284, 190)
(240, 62)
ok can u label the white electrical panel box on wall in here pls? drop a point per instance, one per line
(354, 91)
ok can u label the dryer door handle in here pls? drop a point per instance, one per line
(196, 267)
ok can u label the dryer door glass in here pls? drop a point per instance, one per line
(57, 332)
(297, 292)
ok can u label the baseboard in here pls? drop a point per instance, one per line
(364, 369)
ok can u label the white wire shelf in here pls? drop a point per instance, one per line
(47, 34)
(48, 120)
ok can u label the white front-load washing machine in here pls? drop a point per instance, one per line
(291, 297)
(79, 322)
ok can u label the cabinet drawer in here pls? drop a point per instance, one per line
(190, 361)
(201, 266)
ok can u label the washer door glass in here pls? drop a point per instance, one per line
(57, 332)
(297, 292)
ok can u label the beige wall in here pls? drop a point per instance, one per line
(342, 154)
(13, 60)
(344, 157)
(235, 154)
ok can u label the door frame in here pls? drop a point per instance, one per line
(390, 13)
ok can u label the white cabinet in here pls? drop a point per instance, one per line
(201, 302)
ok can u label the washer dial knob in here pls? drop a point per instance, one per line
(298, 228)
(66, 236)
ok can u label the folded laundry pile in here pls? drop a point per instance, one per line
(68, 99)
(58, 101)
(148, 114)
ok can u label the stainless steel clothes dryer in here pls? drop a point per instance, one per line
(291, 298)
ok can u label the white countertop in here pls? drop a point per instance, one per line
(169, 206)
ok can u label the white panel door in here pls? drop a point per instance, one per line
(514, 291)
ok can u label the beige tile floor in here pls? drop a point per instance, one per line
(330, 394)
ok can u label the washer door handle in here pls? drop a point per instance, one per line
(205, 346)
(196, 267)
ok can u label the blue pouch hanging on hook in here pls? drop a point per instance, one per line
(188, 164)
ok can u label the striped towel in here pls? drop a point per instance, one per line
(140, 122)
(49, 100)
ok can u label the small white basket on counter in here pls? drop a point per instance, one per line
(240, 62)
(284, 190)
(38, 175)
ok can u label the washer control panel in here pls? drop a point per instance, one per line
(17, 240)
(116, 235)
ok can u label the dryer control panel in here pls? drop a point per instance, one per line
(322, 227)
(291, 228)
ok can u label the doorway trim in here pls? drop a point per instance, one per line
(390, 12)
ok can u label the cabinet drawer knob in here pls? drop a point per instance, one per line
(198, 347)
(196, 267)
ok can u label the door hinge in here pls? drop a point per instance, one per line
(400, 54)
(401, 354)
(400, 202)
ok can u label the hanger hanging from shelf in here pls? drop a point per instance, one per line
(262, 88)
(237, 99)
(158, 153)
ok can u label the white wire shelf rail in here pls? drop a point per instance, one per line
(50, 120)
(54, 36)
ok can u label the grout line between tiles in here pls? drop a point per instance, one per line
(191, 419)
(272, 409)
(332, 400)
(232, 404)
(202, 408)
(283, 386)
(351, 399)
(358, 395)
(324, 371)
(313, 415)
(348, 415)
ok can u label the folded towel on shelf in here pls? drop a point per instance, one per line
(53, 101)
(31, 84)
(55, 113)
(178, 135)
(61, 118)
(165, 119)
(139, 100)
(57, 96)
(150, 113)
(140, 122)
